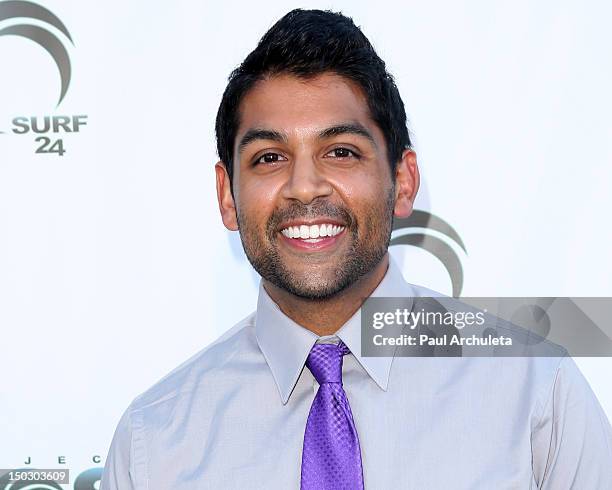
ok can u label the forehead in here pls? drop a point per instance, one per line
(296, 105)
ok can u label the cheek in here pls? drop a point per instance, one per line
(262, 192)
(364, 194)
(364, 181)
(258, 199)
(366, 198)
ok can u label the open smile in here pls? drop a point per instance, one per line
(316, 237)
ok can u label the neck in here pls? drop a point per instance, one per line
(325, 317)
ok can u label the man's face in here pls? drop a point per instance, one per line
(309, 162)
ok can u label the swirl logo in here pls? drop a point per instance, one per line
(418, 227)
(11, 10)
(23, 19)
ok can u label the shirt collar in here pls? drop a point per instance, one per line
(286, 344)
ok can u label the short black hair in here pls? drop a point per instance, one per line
(307, 43)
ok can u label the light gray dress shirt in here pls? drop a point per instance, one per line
(233, 416)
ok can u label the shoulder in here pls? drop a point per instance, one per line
(153, 411)
(214, 358)
(572, 438)
(522, 359)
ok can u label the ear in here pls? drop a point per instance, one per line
(407, 182)
(227, 206)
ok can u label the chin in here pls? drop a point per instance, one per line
(316, 290)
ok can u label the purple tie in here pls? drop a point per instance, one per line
(331, 459)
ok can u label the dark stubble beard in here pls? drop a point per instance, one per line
(362, 256)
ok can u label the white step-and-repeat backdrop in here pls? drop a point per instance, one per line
(114, 264)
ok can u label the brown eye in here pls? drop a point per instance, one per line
(342, 153)
(268, 158)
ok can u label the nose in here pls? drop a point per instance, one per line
(306, 181)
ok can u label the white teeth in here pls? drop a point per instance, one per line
(306, 232)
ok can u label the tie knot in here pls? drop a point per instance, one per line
(325, 362)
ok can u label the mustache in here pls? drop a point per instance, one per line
(296, 211)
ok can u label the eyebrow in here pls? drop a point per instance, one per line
(256, 134)
(260, 134)
(347, 128)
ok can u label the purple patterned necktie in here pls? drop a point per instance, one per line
(331, 459)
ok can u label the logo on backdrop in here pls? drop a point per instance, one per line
(418, 227)
(53, 38)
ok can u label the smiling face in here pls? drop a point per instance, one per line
(314, 195)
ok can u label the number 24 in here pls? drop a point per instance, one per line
(47, 147)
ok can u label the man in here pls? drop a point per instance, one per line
(315, 163)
